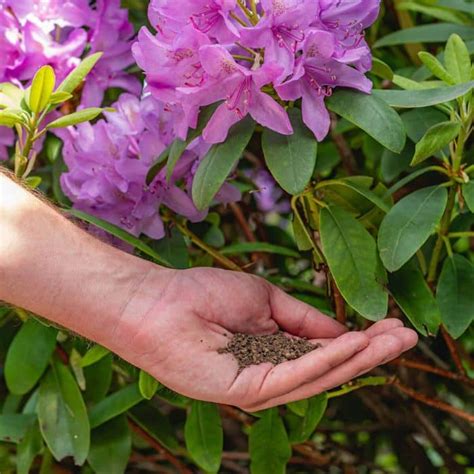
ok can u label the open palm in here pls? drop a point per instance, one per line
(177, 341)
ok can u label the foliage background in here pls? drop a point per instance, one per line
(414, 415)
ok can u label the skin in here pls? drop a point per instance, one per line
(170, 323)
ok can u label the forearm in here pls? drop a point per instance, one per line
(54, 269)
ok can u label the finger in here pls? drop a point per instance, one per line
(301, 319)
(381, 349)
(383, 326)
(287, 377)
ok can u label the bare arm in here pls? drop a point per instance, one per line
(172, 323)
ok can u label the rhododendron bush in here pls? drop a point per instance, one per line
(324, 145)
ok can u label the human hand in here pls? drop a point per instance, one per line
(177, 336)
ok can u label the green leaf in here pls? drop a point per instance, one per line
(219, 162)
(173, 249)
(291, 158)
(418, 121)
(9, 118)
(62, 415)
(372, 115)
(148, 385)
(303, 427)
(351, 254)
(28, 448)
(435, 66)
(423, 98)
(393, 164)
(93, 355)
(433, 33)
(59, 97)
(41, 89)
(409, 224)
(301, 234)
(28, 356)
(435, 139)
(98, 379)
(111, 447)
(457, 59)
(250, 247)
(120, 234)
(459, 5)
(433, 11)
(204, 436)
(114, 405)
(269, 446)
(13, 427)
(361, 190)
(157, 425)
(415, 298)
(75, 77)
(81, 116)
(11, 96)
(468, 194)
(299, 407)
(381, 69)
(454, 294)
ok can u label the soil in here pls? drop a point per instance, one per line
(277, 348)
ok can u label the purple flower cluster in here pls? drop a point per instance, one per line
(108, 164)
(59, 32)
(253, 55)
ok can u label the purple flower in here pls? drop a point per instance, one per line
(6, 140)
(211, 17)
(317, 73)
(56, 32)
(281, 30)
(254, 56)
(112, 34)
(269, 197)
(108, 164)
(241, 89)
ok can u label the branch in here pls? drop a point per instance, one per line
(453, 351)
(432, 402)
(413, 364)
(180, 467)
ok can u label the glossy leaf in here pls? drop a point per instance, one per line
(28, 356)
(269, 445)
(468, 194)
(351, 254)
(157, 425)
(291, 158)
(148, 385)
(436, 68)
(75, 77)
(381, 69)
(219, 162)
(409, 224)
(457, 59)
(81, 116)
(93, 355)
(250, 247)
(418, 121)
(63, 416)
(13, 427)
(415, 298)
(114, 405)
(204, 436)
(41, 89)
(423, 98)
(372, 115)
(173, 249)
(303, 427)
(433, 33)
(111, 447)
(455, 294)
(98, 379)
(28, 448)
(435, 139)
